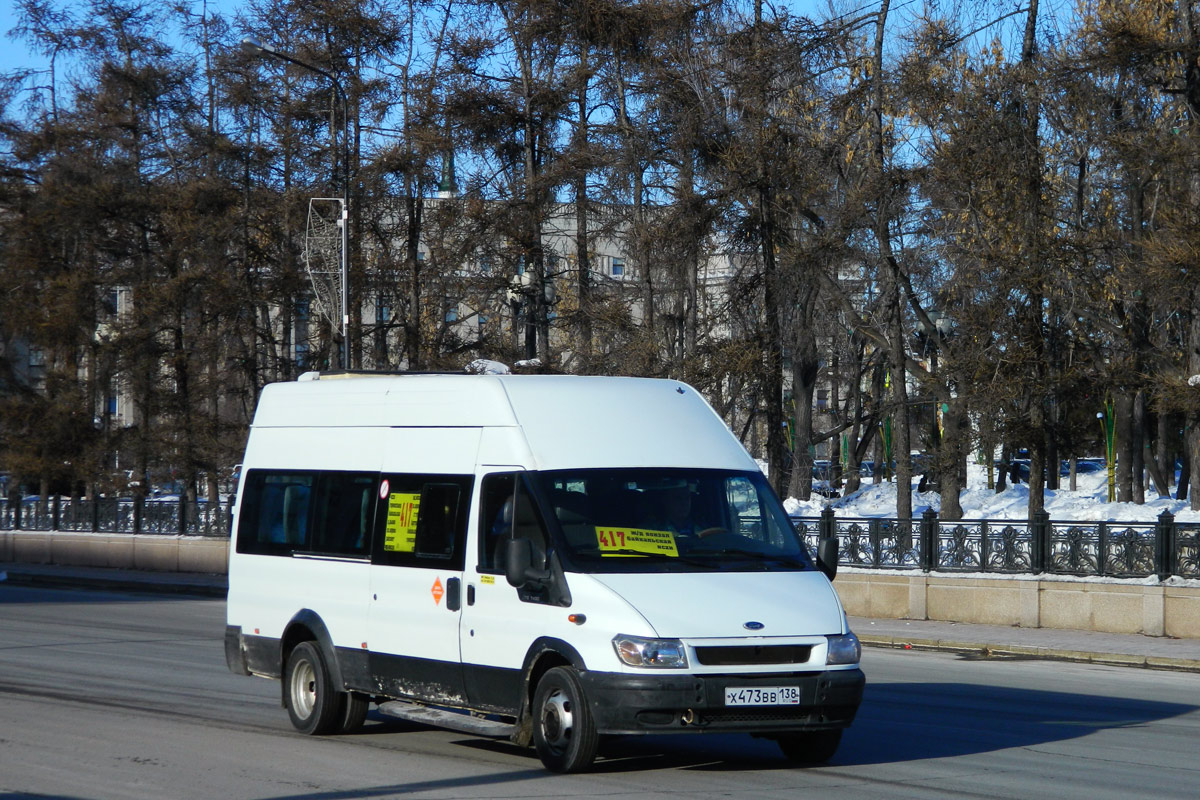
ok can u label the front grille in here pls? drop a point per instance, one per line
(741, 655)
(719, 715)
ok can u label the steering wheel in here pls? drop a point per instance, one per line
(710, 532)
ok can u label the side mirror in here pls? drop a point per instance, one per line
(518, 565)
(827, 557)
(518, 558)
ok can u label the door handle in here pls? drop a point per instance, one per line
(453, 594)
(470, 594)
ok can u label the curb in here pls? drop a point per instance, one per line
(114, 583)
(1044, 653)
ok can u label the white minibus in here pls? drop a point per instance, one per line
(550, 559)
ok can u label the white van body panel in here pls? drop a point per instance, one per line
(702, 605)
(266, 598)
(499, 628)
(565, 421)
(263, 589)
(504, 449)
(448, 451)
(386, 401)
(407, 615)
(643, 422)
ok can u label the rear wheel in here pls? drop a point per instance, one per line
(354, 711)
(314, 706)
(563, 730)
(810, 747)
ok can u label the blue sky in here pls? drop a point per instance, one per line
(15, 55)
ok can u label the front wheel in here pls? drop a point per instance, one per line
(810, 747)
(563, 730)
(312, 702)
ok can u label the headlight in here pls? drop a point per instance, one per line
(660, 653)
(844, 649)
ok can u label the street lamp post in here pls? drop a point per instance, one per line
(257, 48)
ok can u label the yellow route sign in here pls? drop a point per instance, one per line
(634, 541)
(400, 535)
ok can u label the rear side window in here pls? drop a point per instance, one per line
(322, 513)
(343, 511)
(421, 520)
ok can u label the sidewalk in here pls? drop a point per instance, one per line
(1131, 650)
(1120, 649)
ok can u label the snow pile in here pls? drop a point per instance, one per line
(1087, 503)
(485, 366)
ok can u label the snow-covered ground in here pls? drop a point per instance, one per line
(1088, 502)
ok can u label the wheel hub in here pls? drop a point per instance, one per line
(557, 720)
(304, 689)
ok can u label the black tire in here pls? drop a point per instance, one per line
(564, 732)
(810, 747)
(354, 711)
(316, 708)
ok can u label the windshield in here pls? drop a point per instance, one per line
(670, 520)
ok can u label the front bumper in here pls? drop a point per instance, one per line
(624, 704)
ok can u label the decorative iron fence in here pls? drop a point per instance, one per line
(116, 515)
(1112, 549)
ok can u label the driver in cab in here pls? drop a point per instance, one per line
(670, 509)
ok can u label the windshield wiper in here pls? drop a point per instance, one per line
(698, 562)
(757, 555)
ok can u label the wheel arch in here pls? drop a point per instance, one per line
(543, 655)
(307, 626)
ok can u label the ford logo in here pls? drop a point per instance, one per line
(753, 626)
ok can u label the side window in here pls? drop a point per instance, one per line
(327, 513)
(421, 520)
(343, 510)
(495, 520)
(527, 524)
(274, 517)
(508, 510)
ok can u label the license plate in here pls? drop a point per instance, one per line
(763, 696)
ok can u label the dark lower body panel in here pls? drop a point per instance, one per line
(629, 704)
(620, 703)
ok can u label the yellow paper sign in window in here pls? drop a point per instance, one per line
(400, 534)
(633, 541)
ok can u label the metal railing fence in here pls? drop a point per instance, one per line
(116, 515)
(1042, 546)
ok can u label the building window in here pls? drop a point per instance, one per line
(452, 315)
(302, 356)
(111, 405)
(618, 267)
(110, 301)
(822, 399)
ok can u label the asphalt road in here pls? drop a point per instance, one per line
(106, 695)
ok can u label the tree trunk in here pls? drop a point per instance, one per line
(1137, 441)
(897, 355)
(954, 429)
(1192, 467)
(805, 368)
(412, 322)
(1123, 409)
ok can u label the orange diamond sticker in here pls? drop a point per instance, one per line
(437, 591)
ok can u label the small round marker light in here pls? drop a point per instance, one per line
(578, 619)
